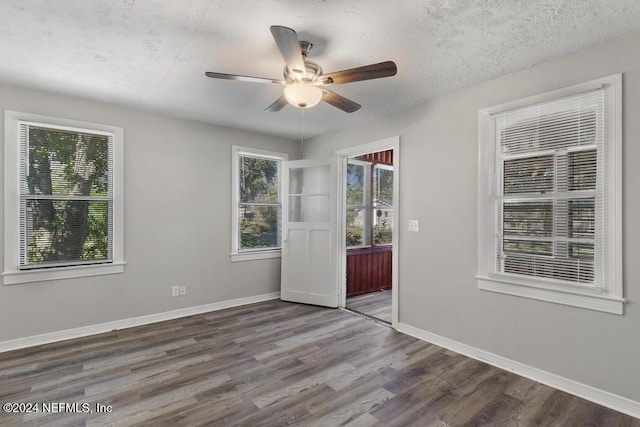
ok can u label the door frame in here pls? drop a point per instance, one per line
(391, 143)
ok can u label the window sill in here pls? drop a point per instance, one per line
(250, 256)
(607, 304)
(360, 250)
(17, 277)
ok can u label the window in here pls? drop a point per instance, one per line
(63, 199)
(383, 204)
(358, 203)
(257, 204)
(549, 197)
(369, 202)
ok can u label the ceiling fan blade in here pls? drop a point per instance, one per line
(277, 105)
(339, 101)
(241, 78)
(289, 46)
(367, 72)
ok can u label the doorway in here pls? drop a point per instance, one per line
(369, 229)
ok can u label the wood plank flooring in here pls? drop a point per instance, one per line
(375, 304)
(273, 364)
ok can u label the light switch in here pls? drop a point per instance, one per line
(414, 225)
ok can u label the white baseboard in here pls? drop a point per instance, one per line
(604, 398)
(129, 323)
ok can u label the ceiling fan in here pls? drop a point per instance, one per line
(303, 79)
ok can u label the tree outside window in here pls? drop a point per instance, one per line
(65, 197)
(259, 207)
(358, 209)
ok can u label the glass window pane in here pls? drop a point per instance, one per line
(582, 218)
(529, 175)
(258, 226)
(582, 170)
(383, 187)
(258, 179)
(528, 218)
(581, 250)
(310, 180)
(379, 220)
(312, 208)
(309, 194)
(59, 231)
(64, 163)
(355, 184)
(356, 221)
(383, 231)
(532, 247)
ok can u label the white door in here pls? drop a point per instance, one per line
(309, 233)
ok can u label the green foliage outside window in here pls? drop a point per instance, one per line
(382, 235)
(65, 169)
(259, 206)
(354, 236)
(356, 204)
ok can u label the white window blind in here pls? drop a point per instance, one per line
(549, 196)
(547, 189)
(66, 196)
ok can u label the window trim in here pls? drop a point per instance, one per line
(607, 299)
(237, 255)
(12, 274)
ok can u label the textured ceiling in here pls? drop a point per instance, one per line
(152, 54)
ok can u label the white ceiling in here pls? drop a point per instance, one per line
(152, 54)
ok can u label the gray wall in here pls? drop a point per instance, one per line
(438, 170)
(177, 223)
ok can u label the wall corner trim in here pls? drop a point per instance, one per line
(601, 397)
(84, 331)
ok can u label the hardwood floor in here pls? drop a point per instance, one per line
(272, 364)
(375, 304)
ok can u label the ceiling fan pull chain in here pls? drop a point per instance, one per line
(302, 142)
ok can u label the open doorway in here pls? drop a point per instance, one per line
(369, 229)
(369, 234)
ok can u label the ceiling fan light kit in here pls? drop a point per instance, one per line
(302, 95)
(302, 77)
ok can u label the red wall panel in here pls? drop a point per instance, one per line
(368, 270)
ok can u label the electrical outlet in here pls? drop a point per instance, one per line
(414, 225)
(183, 290)
(175, 291)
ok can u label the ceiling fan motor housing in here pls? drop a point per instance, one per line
(312, 70)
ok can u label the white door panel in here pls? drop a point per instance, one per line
(309, 230)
